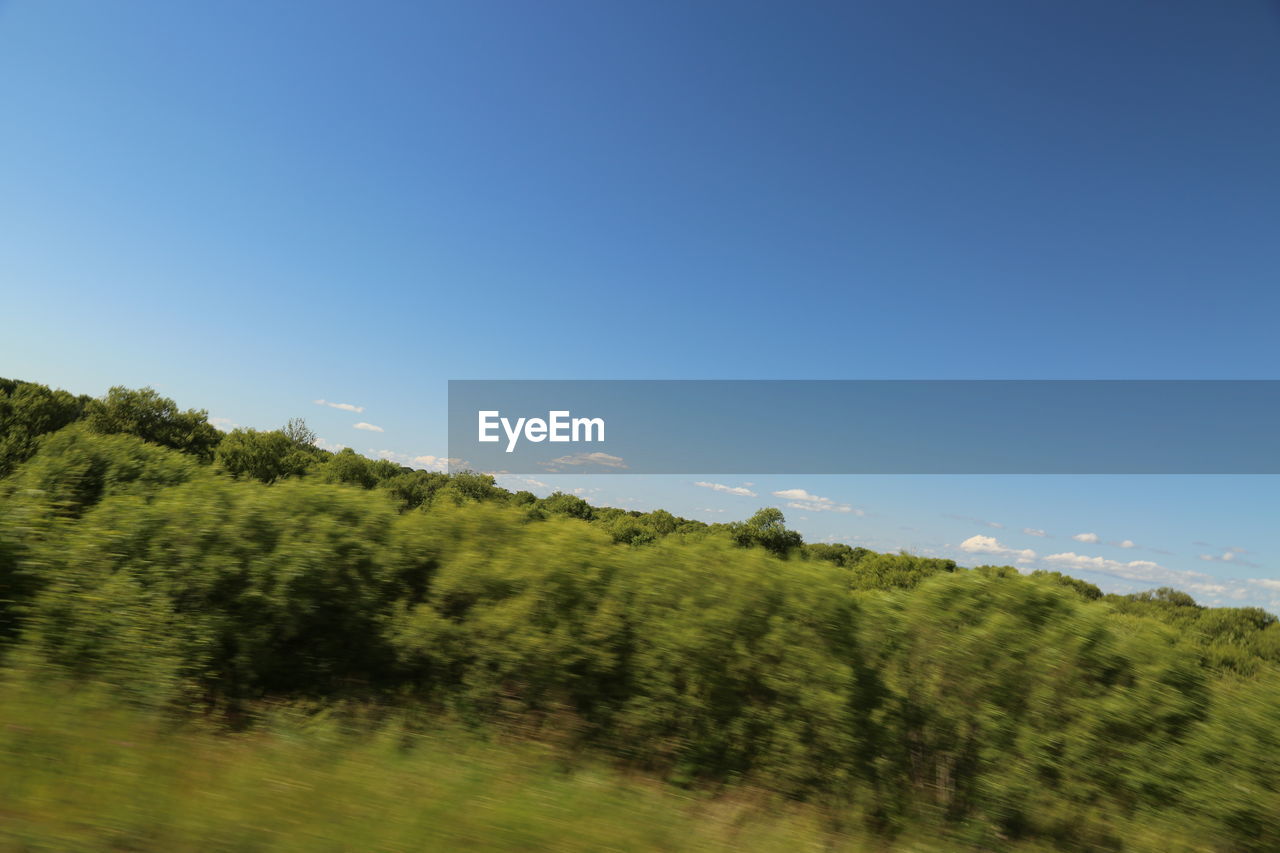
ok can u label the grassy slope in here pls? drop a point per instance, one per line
(78, 772)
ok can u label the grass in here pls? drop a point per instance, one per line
(81, 772)
(78, 772)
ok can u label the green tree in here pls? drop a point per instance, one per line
(471, 487)
(73, 471)
(265, 456)
(896, 571)
(766, 529)
(151, 417)
(561, 503)
(412, 489)
(257, 589)
(28, 411)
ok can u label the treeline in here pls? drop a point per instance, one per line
(203, 572)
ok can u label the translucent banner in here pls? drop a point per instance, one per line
(865, 426)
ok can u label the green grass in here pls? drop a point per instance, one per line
(77, 773)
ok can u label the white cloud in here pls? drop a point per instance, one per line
(810, 506)
(223, 424)
(1138, 570)
(597, 458)
(800, 499)
(1034, 531)
(1230, 592)
(527, 481)
(1125, 543)
(1231, 555)
(1212, 589)
(422, 463)
(346, 407)
(437, 463)
(728, 490)
(1090, 538)
(323, 444)
(994, 524)
(990, 545)
(369, 427)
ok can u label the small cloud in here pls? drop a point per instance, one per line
(809, 506)
(797, 494)
(800, 499)
(346, 407)
(604, 460)
(529, 481)
(1090, 538)
(369, 427)
(1138, 570)
(1125, 543)
(990, 545)
(327, 445)
(993, 524)
(1034, 531)
(223, 424)
(422, 462)
(728, 490)
(438, 463)
(1231, 555)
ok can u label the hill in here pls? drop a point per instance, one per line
(209, 580)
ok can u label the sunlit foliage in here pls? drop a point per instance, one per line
(900, 694)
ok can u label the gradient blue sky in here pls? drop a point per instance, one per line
(253, 206)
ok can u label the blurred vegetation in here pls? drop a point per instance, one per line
(265, 638)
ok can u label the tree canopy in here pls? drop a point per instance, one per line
(183, 570)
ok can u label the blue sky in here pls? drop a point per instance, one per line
(255, 206)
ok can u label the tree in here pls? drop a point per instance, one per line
(897, 571)
(144, 413)
(28, 411)
(265, 456)
(468, 486)
(413, 488)
(766, 529)
(560, 503)
(836, 552)
(297, 431)
(1166, 595)
(73, 471)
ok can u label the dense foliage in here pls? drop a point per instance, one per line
(199, 572)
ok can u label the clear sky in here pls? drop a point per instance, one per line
(253, 206)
